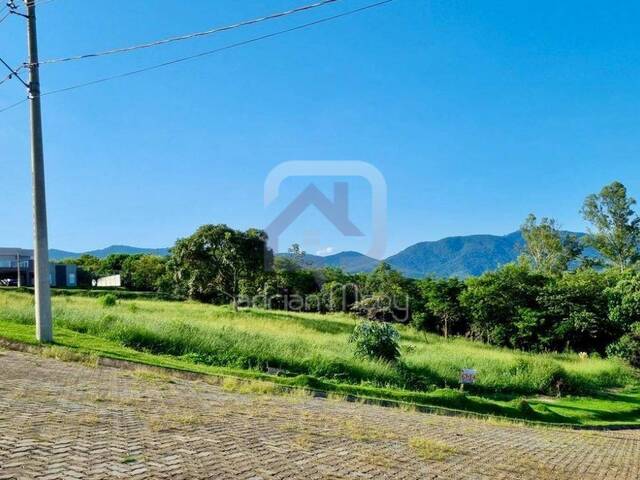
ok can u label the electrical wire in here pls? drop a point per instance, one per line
(8, 77)
(9, 107)
(188, 36)
(14, 10)
(217, 50)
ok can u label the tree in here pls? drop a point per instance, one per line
(628, 346)
(387, 296)
(617, 227)
(144, 272)
(575, 312)
(211, 264)
(495, 301)
(112, 264)
(294, 282)
(442, 301)
(624, 300)
(297, 255)
(547, 249)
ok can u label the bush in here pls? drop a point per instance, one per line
(628, 347)
(376, 340)
(524, 408)
(108, 300)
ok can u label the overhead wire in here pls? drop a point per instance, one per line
(216, 50)
(198, 55)
(189, 36)
(9, 107)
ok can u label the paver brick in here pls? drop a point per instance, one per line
(71, 421)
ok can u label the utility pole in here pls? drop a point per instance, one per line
(19, 281)
(44, 327)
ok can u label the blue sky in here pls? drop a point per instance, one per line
(476, 113)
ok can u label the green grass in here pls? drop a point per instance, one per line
(315, 350)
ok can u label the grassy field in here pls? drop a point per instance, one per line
(315, 352)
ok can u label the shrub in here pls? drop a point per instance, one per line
(628, 347)
(376, 340)
(108, 300)
(524, 408)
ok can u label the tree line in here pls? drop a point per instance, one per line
(563, 293)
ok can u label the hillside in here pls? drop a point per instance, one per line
(457, 256)
(462, 256)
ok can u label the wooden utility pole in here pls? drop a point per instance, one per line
(44, 327)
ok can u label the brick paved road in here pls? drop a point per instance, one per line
(68, 420)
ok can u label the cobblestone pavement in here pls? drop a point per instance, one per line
(71, 421)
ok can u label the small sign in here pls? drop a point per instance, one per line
(468, 375)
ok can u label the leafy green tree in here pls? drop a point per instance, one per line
(442, 303)
(546, 249)
(387, 295)
(112, 264)
(385, 280)
(617, 227)
(293, 282)
(338, 296)
(494, 301)
(144, 272)
(624, 300)
(576, 312)
(211, 264)
(628, 346)
(297, 255)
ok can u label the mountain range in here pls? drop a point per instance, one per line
(461, 256)
(105, 252)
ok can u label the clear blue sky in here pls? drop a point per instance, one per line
(477, 113)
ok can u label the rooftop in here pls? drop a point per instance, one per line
(14, 252)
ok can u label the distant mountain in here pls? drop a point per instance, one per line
(457, 256)
(105, 252)
(350, 262)
(462, 256)
(453, 256)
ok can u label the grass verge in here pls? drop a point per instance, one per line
(613, 409)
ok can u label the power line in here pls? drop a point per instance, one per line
(14, 9)
(13, 105)
(209, 52)
(190, 35)
(13, 73)
(7, 78)
(217, 50)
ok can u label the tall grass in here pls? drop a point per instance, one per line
(316, 345)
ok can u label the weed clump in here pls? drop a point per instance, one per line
(108, 300)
